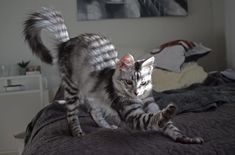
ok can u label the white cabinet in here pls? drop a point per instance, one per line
(17, 108)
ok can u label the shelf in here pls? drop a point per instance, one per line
(24, 104)
(33, 83)
(20, 92)
(115, 2)
(19, 77)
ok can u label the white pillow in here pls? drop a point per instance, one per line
(172, 55)
(170, 58)
(166, 80)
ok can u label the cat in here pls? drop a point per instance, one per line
(92, 74)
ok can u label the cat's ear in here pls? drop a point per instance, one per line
(148, 62)
(126, 62)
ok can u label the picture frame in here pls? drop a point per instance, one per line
(111, 9)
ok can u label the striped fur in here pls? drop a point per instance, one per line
(92, 75)
(48, 19)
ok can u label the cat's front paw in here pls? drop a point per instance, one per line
(170, 110)
(113, 126)
(167, 114)
(188, 140)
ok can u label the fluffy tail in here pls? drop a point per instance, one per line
(48, 19)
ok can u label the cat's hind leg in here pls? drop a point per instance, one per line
(150, 105)
(98, 116)
(71, 103)
(98, 112)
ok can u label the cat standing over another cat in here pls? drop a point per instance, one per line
(92, 74)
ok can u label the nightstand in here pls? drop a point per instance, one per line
(21, 97)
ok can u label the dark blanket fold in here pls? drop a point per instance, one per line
(197, 98)
(216, 90)
(48, 132)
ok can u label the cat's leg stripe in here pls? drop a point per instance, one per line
(71, 113)
(69, 83)
(131, 110)
(71, 92)
(71, 100)
(147, 120)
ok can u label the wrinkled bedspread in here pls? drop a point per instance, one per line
(206, 110)
(216, 127)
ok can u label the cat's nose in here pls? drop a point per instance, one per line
(136, 93)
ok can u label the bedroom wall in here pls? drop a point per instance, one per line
(230, 32)
(137, 36)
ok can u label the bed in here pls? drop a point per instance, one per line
(206, 110)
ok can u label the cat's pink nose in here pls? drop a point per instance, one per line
(136, 93)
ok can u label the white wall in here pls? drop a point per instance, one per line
(219, 32)
(137, 36)
(230, 32)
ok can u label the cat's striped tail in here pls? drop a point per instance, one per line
(45, 19)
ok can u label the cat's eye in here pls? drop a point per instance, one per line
(144, 83)
(128, 82)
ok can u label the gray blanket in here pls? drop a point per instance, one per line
(215, 91)
(216, 127)
(48, 132)
(197, 98)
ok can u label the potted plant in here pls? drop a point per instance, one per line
(23, 65)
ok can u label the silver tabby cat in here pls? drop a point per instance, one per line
(92, 74)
